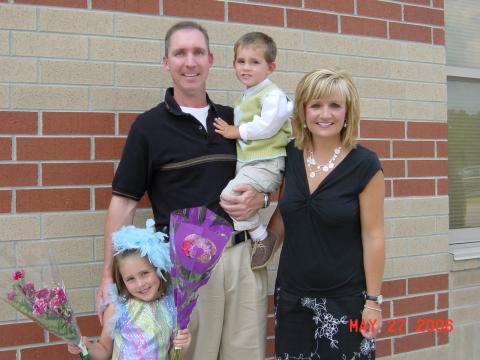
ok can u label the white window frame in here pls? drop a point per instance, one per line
(464, 244)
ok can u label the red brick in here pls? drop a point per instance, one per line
(413, 187)
(58, 148)
(422, 323)
(270, 326)
(437, 3)
(442, 186)
(310, 20)
(271, 305)
(77, 174)
(280, 2)
(5, 201)
(422, 168)
(381, 147)
(379, 9)
(439, 36)
(103, 196)
(270, 353)
(64, 3)
(410, 32)
(18, 174)
(412, 149)
(109, 148)
(386, 309)
(442, 301)
(57, 123)
(442, 338)
(413, 342)
(413, 305)
(134, 6)
(382, 129)
(9, 354)
(255, 14)
(203, 9)
(419, 2)
(18, 122)
(20, 334)
(5, 149)
(125, 121)
(360, 26)
(423, 15)
(393, 168)
(428, 283)
(383, 348)
(52, 200)
(442, 149)
(388, 188)
(394, 288)
(342, 6)
(48, 352)
(427, 130)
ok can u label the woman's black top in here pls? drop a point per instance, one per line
(322, 255)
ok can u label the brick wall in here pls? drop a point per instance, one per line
(74, 74)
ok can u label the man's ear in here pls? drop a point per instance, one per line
(165, 63)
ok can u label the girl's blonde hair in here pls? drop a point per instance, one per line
(117, 275)
(322, 83)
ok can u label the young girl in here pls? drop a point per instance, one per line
(140, 319)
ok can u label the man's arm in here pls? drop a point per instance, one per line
(120, 213)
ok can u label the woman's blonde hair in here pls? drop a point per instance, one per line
(322, 83)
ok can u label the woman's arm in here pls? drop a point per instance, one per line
(373, 240)
(275, 224)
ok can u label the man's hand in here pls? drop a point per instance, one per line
(245, 204)
(102, 296)
(227, 131)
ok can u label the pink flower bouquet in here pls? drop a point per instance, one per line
(48, 307)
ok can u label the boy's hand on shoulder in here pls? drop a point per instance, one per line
(226, 130)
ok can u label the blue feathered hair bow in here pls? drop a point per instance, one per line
(148, 242)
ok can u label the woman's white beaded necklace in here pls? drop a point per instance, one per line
(319, 167)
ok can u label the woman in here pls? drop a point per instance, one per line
(331, 218)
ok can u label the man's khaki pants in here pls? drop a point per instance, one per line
(229, 321)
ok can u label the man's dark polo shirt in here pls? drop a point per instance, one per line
(170, 155)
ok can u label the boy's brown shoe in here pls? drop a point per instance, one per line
(263, 251)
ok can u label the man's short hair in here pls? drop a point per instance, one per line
(182, 26)
(257, 38)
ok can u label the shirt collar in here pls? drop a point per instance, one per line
(175, 109)
(254, 89)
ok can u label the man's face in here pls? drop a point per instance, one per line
(188, 61)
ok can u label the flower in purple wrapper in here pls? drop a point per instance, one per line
(198, 247)
(18, 275)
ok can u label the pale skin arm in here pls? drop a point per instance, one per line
(226, 130)
(101, 350)
(243, 206)
(120, 212)
(373, 240)
(182, 340)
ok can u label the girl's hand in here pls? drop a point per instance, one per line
(372, 318)
(227, 131)
(74, 349)
(182, 339)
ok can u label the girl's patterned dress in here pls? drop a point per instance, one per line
(142, 330)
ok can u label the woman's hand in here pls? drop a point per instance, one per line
(372, 318)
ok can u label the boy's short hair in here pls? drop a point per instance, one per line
(322, 83)
(182, 25)
(257, 38)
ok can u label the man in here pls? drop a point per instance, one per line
(173, 153)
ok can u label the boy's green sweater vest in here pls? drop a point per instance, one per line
(263, 149)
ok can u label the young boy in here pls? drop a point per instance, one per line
(262, 129)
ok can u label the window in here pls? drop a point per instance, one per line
(462, 32)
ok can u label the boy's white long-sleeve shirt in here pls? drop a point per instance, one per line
(276, 109)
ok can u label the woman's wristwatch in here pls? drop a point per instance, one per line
(377, 298)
